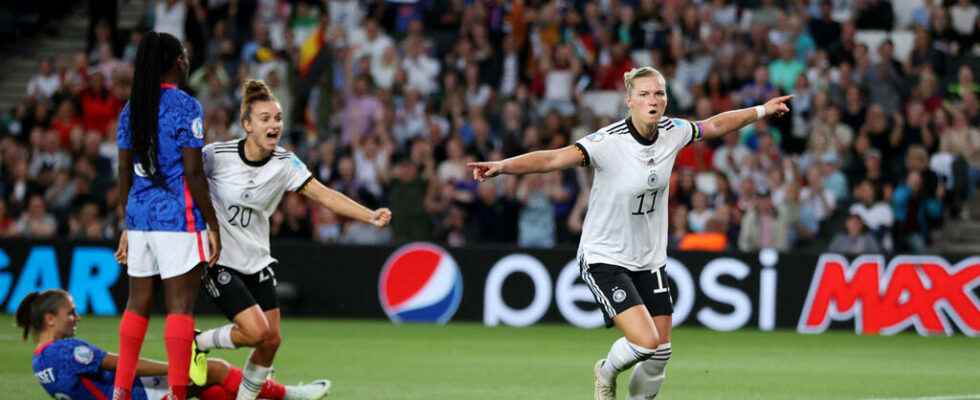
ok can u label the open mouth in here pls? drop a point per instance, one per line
(653, 112)
(272, 135)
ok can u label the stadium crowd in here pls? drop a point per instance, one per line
(388, 101)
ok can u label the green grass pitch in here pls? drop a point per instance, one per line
(378, 360)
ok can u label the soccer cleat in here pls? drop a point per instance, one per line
(318, 389)
(603, 391)
(199, 364)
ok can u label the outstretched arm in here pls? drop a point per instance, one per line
(144, 366)
(530, 163)
(343, 205)
(721, 124)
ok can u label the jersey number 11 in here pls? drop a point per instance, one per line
(642, 199)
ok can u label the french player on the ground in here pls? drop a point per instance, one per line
(71, 368)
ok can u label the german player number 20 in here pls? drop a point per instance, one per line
(241, 216)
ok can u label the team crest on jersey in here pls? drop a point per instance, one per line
(652, 179)
(224, 277)
(596, 137)
(197, 128)
(83, 354)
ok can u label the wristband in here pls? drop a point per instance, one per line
(760, 112)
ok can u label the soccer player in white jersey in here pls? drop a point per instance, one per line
(248, 178)
(623, 249)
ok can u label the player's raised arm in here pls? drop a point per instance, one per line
(530, 163)
(718, 125)
(343, 205)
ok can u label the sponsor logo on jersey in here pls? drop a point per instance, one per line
(420, 282)
(920, 291)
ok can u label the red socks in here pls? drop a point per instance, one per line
(132, 329)
(215, 392)
(178, 333)
(270, 389)
(232, 381)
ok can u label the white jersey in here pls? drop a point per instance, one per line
(626, 222)
(245, 194)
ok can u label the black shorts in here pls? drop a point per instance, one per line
(616, 289)
(233, 291)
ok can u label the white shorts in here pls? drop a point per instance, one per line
(167, 254)
(156, 387)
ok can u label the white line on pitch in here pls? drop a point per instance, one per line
(947, 397)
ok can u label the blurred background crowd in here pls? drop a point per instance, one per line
(387, 102)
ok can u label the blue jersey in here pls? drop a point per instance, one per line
(69, 369)
(153, 206)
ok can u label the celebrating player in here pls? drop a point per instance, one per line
(70, 368)
(623, 250)
(248, 177)
(166, 206)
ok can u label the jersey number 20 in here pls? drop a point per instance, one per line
(241, 216)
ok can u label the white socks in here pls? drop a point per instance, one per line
(649, 375)
(622, 356)
(217, 338)
(253, 377)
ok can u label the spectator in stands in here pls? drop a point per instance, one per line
(45, 83)
(826, 32)
(169, 17)
(700, 214)
(833, 179)
(678, 225)
(760, 226)
(536, 223)
(964, 83)
(36, 222)
(854, 241)
(48, 155)
(876, 215)
(875, 14)
(963, 16)
(406, 197)
(99, 105)
(495, 216)
(7, 223)
(916, 213)
(326, 226)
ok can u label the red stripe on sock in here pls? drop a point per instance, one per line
(132, 330)
(178, 333)
(272, 390)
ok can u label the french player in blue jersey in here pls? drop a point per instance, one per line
(71, 368)
(167, 209)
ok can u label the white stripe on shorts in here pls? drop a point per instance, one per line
(590, 282)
